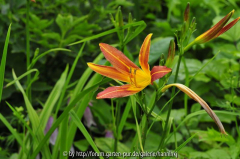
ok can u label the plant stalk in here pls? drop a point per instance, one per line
(170, 105)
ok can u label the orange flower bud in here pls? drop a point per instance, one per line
(216, 30)
(186, 13)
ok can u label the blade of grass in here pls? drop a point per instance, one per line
(65, 114)
(13, 131)
(3, 61)
(22, 76)
(34, 119)
(124, 117)
(200, 112)
(45, 53)
(22, 120)
(81, 109)
(133, 101)
(185, 143)
(69, 78)
(84, 78)
(81, 127)
(186, 84)
(52, 99)
(25, 148)
(28, 92)
(64, 125)
(141, 24)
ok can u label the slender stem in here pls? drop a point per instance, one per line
(116, 126)
(28, 50)
(237, 127)
(188, 46)
(118, 111)
(144, 128)
(186, 84)
(170, 105)
(175, 136)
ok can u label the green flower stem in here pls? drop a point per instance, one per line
(186, 84)
(144, 124)
(120, 33)
(170, 105)
(189, 46)
(117, 116)
(28, 91)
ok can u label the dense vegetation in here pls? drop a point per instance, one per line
(48, 93)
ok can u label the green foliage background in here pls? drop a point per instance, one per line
(56, 24)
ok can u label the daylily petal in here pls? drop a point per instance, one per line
(194, 96)
(118, 91)
(108, 71)
(227, 27)
(212, 32)
(158, 72)
(117, 58)
(144, 53)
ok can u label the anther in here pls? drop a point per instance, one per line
(135, 81)
(130, 76)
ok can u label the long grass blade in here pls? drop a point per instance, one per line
(52, 99)
(133, 101)
(22, 76)
(3, 61)
(65, 114)
(12, 130)
(81, 127)
(34, 119)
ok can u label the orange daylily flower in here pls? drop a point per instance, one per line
(125, 70)
(217, 29)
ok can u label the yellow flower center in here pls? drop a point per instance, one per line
(139, 78)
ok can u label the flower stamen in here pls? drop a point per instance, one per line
(135, 81)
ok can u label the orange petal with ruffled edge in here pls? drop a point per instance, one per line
(212, 32)
(158, 72)
(227, 27)
(118, 91)
(109, 72)
(117, 59)
(144, 53)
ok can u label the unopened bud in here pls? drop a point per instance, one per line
(130, 20)
(193, 23)
(184, 29)
(112, 19)
(36, 52)
(171, 54)
(162, 60)
(119, 17)
(186, 13)
(216, 30)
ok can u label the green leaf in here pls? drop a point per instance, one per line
(64, 23)
(3, 61)
(82, 145)
(133, 101)
(65, 114)
(13, 131)
(52, 99)
(158, 46)
(106, 144)
(185, 142)
(34, 119)
(81, 127)
(22, 76)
